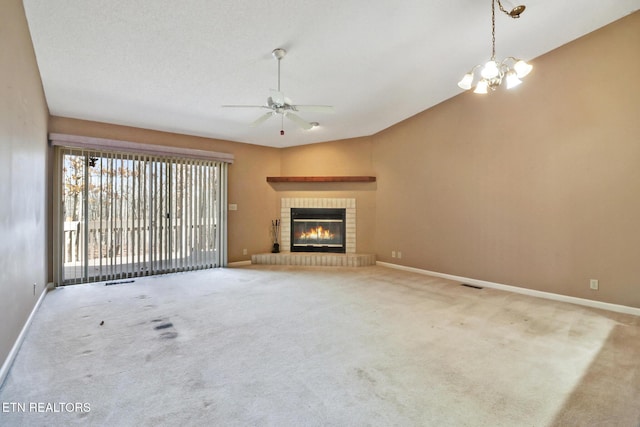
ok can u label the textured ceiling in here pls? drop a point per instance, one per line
(170, 65)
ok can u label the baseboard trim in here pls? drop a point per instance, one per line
(6, 366)
(239, 263)
(531, 292)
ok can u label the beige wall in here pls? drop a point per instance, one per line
(538, 188)
(337, 158)
(23, 151)
(248, 226)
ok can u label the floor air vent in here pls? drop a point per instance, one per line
(119, 283)
(472, 286)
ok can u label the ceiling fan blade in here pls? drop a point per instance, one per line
(300, 122)
(314, 108)
(245, 106)
(277, 97)
(261, 119)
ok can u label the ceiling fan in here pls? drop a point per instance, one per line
(277, 103)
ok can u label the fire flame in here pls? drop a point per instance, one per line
(317, 233)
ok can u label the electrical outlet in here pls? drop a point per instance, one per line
(233, 207)
(399, 254)
(244, 252)
(393, 254)
(593, 284)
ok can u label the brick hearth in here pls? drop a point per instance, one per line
(315, 259)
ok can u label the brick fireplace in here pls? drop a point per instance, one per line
(348, 258)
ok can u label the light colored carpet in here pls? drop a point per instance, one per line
(285, 346)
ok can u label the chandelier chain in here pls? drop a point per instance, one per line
(493, 30)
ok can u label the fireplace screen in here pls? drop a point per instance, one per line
(317, 230)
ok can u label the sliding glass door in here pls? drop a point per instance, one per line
(126, 215)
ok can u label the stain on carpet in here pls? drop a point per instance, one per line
(167, 328)
(164, 326)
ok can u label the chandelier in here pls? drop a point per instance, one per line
(493, 73)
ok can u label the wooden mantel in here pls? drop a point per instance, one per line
(321, 179)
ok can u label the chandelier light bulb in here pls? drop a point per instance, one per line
(466, 81)
(522, 68)
(490, 70)
(512, 79)
(482, 86)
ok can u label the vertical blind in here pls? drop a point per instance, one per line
(125, 215)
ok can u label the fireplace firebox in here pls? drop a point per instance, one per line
(318, 230)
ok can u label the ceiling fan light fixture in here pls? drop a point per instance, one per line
(492, 74)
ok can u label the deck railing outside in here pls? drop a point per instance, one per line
(134, 250)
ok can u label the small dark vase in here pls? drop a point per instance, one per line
(276, 248)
